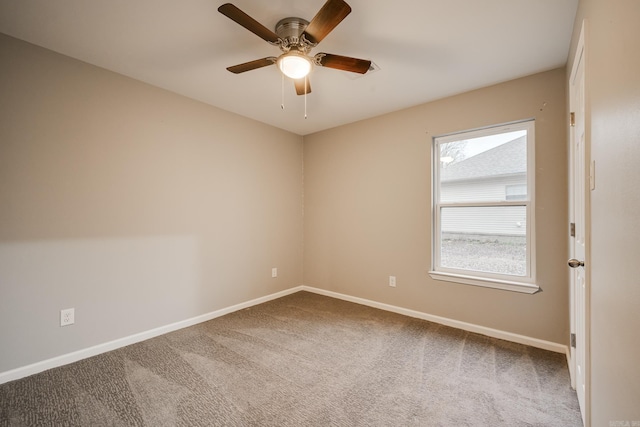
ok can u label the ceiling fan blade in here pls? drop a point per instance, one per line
(252, 65)
(235, 14)
(344, 63)
(327, 18)
(301, 86)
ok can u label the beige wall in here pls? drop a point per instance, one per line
(133, 205)
(367, 208)
(613, 92)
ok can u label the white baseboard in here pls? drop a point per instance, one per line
(65, 359)
(495, 333)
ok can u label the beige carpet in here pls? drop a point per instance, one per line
(303, 360)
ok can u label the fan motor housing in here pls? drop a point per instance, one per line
(289, 30)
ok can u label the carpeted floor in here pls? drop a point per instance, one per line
(303, 360)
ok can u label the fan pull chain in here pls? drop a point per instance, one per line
(282, 103)
(305, 97)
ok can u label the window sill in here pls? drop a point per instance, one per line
(522, 287)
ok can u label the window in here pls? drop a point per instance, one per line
(515, 192)
(483, 207)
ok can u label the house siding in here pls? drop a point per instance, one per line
(485, 190)
(487, 221)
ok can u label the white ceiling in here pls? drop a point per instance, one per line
(425, 49)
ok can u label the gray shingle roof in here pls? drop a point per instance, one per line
(506, 159)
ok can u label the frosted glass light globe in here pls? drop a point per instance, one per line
(294, 65)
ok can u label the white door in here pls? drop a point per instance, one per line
(580, 186)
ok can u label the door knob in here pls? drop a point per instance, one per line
(574, 263)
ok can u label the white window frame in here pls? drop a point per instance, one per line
(525, 284)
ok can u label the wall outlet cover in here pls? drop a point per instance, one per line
(67, 317)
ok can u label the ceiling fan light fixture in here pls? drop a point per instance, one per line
(294, 65)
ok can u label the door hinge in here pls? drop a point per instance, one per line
(572, 119)
(573, 340)
(573, 229)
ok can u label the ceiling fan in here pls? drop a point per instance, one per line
(296, 37)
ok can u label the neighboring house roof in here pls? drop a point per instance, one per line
(506, 159)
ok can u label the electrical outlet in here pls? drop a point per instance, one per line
(67, 317)
(392, 281)
(274, 272)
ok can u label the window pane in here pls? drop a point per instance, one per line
(516, 192)
(488, 239)
(479, 169)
